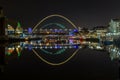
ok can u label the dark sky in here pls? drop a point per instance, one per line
(84, 13)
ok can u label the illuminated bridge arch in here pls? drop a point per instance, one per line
(61, 26)
(54, 15)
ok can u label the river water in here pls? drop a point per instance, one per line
(26, 60)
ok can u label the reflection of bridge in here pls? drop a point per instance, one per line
(57, 38)
(59, 49)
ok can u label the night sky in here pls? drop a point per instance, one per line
(84, 13)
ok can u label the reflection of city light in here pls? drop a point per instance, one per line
(119, 53)
(18, 46)
(45, 47)
(76, 46)
(80, 47)
(56, 47)
(10, 50)
(65, 47)
(98, 47)
(51, 47)
(70, 46)
(48, 32)
(47, 44)
(113, 50)
(89, 42)
(26, 38)
(36, 47)
(13, 48)
(25, 47)
(31, 42)
(91, 47)
(30, 48)
(60, 46)
(71, 41)
(41, 47)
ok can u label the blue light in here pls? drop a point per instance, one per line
(56, 30)
(75, 30)
(58, 46)
(29, 47)
(29, 30)
(71, 41)
(45, 47)
(71, 33)
(76, 46)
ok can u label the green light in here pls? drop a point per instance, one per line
(18, 25)
(8, 53)
(56, 53)
(19, 54)
(60, 51)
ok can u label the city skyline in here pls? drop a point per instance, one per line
(85, 13)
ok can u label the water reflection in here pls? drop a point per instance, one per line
(16, 48)
(54, 55)
(113, 51)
